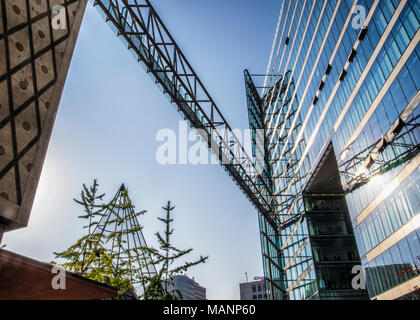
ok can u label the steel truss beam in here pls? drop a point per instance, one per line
(368, 163)
(152, 44)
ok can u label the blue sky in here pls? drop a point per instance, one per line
(106, 128)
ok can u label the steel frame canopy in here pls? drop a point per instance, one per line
(151, 43)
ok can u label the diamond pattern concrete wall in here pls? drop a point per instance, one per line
(34, 59)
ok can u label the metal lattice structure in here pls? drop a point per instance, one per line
(289, 184)
(142, 30)
(119, 235)
(273, 258)
(288, 249)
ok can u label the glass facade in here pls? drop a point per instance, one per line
(344, 93)
(394, 266)
(333, 246)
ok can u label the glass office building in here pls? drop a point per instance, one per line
(340, 121)
(339, 110)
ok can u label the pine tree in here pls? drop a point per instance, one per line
(115, 252)
(165, 257)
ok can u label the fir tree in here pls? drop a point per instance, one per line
(115, 252)
(112, 251)
(166, 257)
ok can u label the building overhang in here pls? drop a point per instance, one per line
(325, 178)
